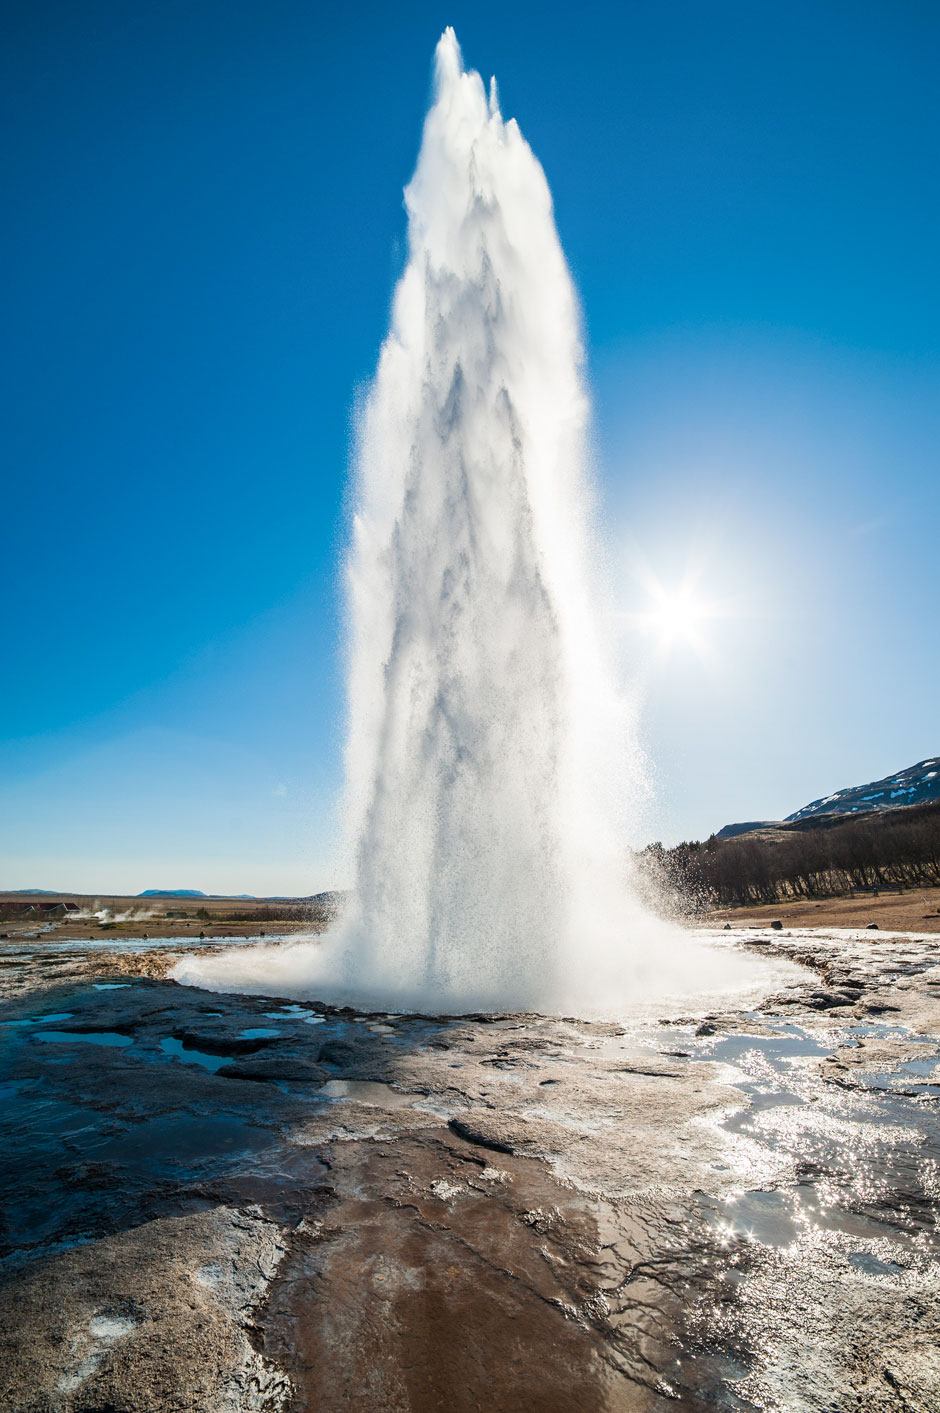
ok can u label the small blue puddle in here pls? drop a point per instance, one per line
(367, 1091)
(259, 1033)
(893, 1082)
(178, 1139)
(41, 1020)
(872, 1266)
(99, 1037)
(174, 1047)
(295, 1013)
(763, 1099)
(111, 985)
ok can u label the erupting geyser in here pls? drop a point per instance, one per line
(483, 730)
(489, 761)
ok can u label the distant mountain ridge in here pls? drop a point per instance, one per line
(917, 785)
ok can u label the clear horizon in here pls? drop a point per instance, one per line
(205, 229)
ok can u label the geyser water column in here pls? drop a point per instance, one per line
(489, 760)
(477, 699)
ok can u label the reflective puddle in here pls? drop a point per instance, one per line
(40, 1020)
(73, 1037)
(171, 1046)
(295, 1013)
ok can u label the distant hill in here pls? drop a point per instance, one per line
(731, 831)
(175, 893)
(192, 893)
(917, 785)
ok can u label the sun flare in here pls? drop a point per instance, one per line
(676, 614)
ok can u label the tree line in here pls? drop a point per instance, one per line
(818, 857)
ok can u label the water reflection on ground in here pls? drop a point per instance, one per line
(731, 1207)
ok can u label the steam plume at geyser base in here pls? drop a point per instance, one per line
(489, 758)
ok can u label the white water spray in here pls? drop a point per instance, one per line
(489, 761)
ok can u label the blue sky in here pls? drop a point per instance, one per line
(203, 227)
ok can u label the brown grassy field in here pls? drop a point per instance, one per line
(157, 917)
(913, 910)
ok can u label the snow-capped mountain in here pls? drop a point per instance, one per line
(917, 785)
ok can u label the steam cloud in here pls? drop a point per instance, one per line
(103, 914)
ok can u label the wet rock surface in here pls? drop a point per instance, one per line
(136, 1320)
(218, 1202)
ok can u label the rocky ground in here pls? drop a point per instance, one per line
(232, 1203)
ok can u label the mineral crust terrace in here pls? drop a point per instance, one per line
(214, 1202)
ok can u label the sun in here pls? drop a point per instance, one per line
(681, 613)
(675, 615)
